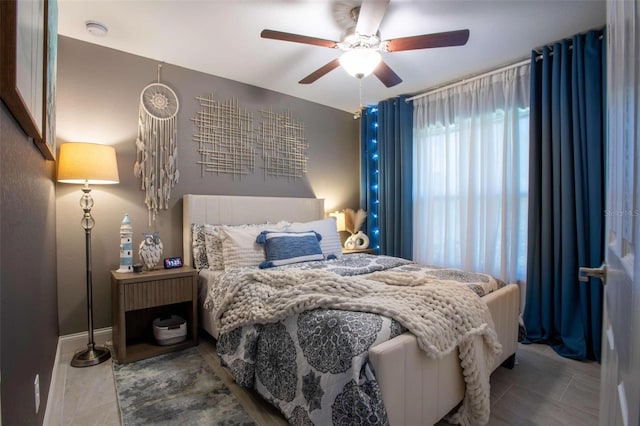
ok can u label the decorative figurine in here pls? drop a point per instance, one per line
(150, 250)
(126, 245)
(357, 241)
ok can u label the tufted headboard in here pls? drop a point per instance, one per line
(238, 210)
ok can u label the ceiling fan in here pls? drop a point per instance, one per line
(361, 48)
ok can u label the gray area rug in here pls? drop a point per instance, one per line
(178, 388)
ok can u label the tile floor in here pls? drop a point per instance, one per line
(545, 389)
(542, 389)
(83, 396)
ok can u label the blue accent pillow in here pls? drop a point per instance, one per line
(283, 248)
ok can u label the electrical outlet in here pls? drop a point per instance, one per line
(36, 390)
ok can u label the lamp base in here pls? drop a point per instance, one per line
(93, 355)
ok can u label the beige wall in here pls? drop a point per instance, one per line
(97, 101)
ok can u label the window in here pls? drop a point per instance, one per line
(471, 176)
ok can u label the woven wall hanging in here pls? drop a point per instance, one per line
(156, 148)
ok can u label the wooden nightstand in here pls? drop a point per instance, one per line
(138, 298)
(367, 251)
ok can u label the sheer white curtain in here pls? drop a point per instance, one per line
(471, 149)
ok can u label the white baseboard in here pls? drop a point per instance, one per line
(67, 345)
(77, 341)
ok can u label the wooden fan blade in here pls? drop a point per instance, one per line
(320, 72)
(386, 75)
(297, 38)
(370, 16)
(427, 41)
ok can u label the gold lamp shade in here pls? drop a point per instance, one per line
(81, 162)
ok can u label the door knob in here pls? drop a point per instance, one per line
(601, 273)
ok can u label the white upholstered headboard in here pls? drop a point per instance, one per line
(238, 210)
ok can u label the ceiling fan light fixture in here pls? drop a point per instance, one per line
(360, 62)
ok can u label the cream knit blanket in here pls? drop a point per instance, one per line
(442, 316)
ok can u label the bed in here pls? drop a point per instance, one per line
(415, 388)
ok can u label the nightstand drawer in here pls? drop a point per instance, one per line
(157, 293)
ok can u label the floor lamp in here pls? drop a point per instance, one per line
(88, 163)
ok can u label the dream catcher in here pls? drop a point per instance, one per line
(156, 149)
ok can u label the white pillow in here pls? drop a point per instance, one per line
(330, 242)
(239, 246)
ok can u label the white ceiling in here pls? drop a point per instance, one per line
(222, 37)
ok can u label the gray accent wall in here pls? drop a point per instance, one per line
(98, 96)
(28, 301)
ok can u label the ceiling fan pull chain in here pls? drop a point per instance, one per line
(358, 113)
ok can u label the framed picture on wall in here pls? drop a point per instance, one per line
(23, 78)
(48, 144)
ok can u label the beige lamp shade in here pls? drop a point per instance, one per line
(92, 163)
(339, 220)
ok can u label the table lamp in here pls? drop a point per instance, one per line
(88, 163)
(340, 224)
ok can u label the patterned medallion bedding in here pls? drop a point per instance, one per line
(299, 334)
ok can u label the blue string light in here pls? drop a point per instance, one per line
(373, 167)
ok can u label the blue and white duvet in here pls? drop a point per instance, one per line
(313, 365)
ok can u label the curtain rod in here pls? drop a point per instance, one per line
(469, 79)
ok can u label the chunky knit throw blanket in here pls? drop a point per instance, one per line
(442, 316)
